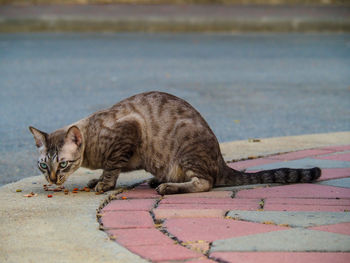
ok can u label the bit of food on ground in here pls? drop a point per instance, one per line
(49, 196)
(124, 197)
(74, 191)
(19, 190)
(32, 194)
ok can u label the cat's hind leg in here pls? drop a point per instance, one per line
(194, 185)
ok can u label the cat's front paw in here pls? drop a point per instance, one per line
(102, 187)
(166, 189)
(92, 183)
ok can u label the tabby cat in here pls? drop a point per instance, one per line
(154, 131)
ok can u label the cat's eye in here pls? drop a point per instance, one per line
(63, 164)
(43, 166)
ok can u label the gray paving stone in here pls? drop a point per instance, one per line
(294, 219)
(303, 163)
(342, 182)
(293, 240)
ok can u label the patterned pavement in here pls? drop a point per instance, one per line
(259, 223)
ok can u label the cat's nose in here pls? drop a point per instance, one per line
(53, 177)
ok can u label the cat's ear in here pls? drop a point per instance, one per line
(39, 137)
(74, 136)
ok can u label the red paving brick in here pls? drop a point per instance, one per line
(339, 148)
(127, 219)
(132, 204)
(282, 257)
(140, 237)
(233, 206)
(334, 173)
(299, 154)
(210, 229)
(181, 213)
(141, 192)
(336, 157)
(201, 200)
(296, 191)
(302, 204)
(313, 208)
(211, 194)
(250, 163)
(163, 253)
(341, 228)
(307, 201)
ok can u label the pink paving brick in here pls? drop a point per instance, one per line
(140, 237)
(130, 205)
(181, 213)
(336, 157)
(339, 148)
(141, 192)
(127, 219)
(211, 194)
(282, 257)
(202, 259)
(334, 173)
(341, 228)
(250, 163)
(232, 206)
(296, 191)
(313, 208)
(157, 253)
(210, 229)
(199, 200)
(299, 154)
(308, 201)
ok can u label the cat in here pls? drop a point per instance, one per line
(154, 131)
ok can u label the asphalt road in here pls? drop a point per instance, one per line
(246, 86)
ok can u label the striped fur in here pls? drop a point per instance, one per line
(157, 132)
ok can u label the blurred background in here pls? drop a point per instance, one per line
(253, 68)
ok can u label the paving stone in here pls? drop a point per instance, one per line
(303, 163)
(157, 253)
(127, 219)
(336, 156)
(296, 191)
(193, 206)
(202, 259)
(281, 257)
(341, 228)
(181, 213)
(320, 208)
(210, 194)
(300, 154)
(304, 204)
(241, 187)
(334, 173)
(140, 237)
(343, 182)
(141, 192)
(131, 204)
(338, 148)
(295, 219)
(241, 165)
(308, 201)
(291, 240)
(210, 229)
(201, 200)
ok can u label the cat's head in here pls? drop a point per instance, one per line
(60, 153)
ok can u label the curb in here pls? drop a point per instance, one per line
(174, 18)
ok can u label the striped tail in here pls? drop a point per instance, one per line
(232, 177)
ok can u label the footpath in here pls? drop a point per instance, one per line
(174, 18)
(257, 223)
